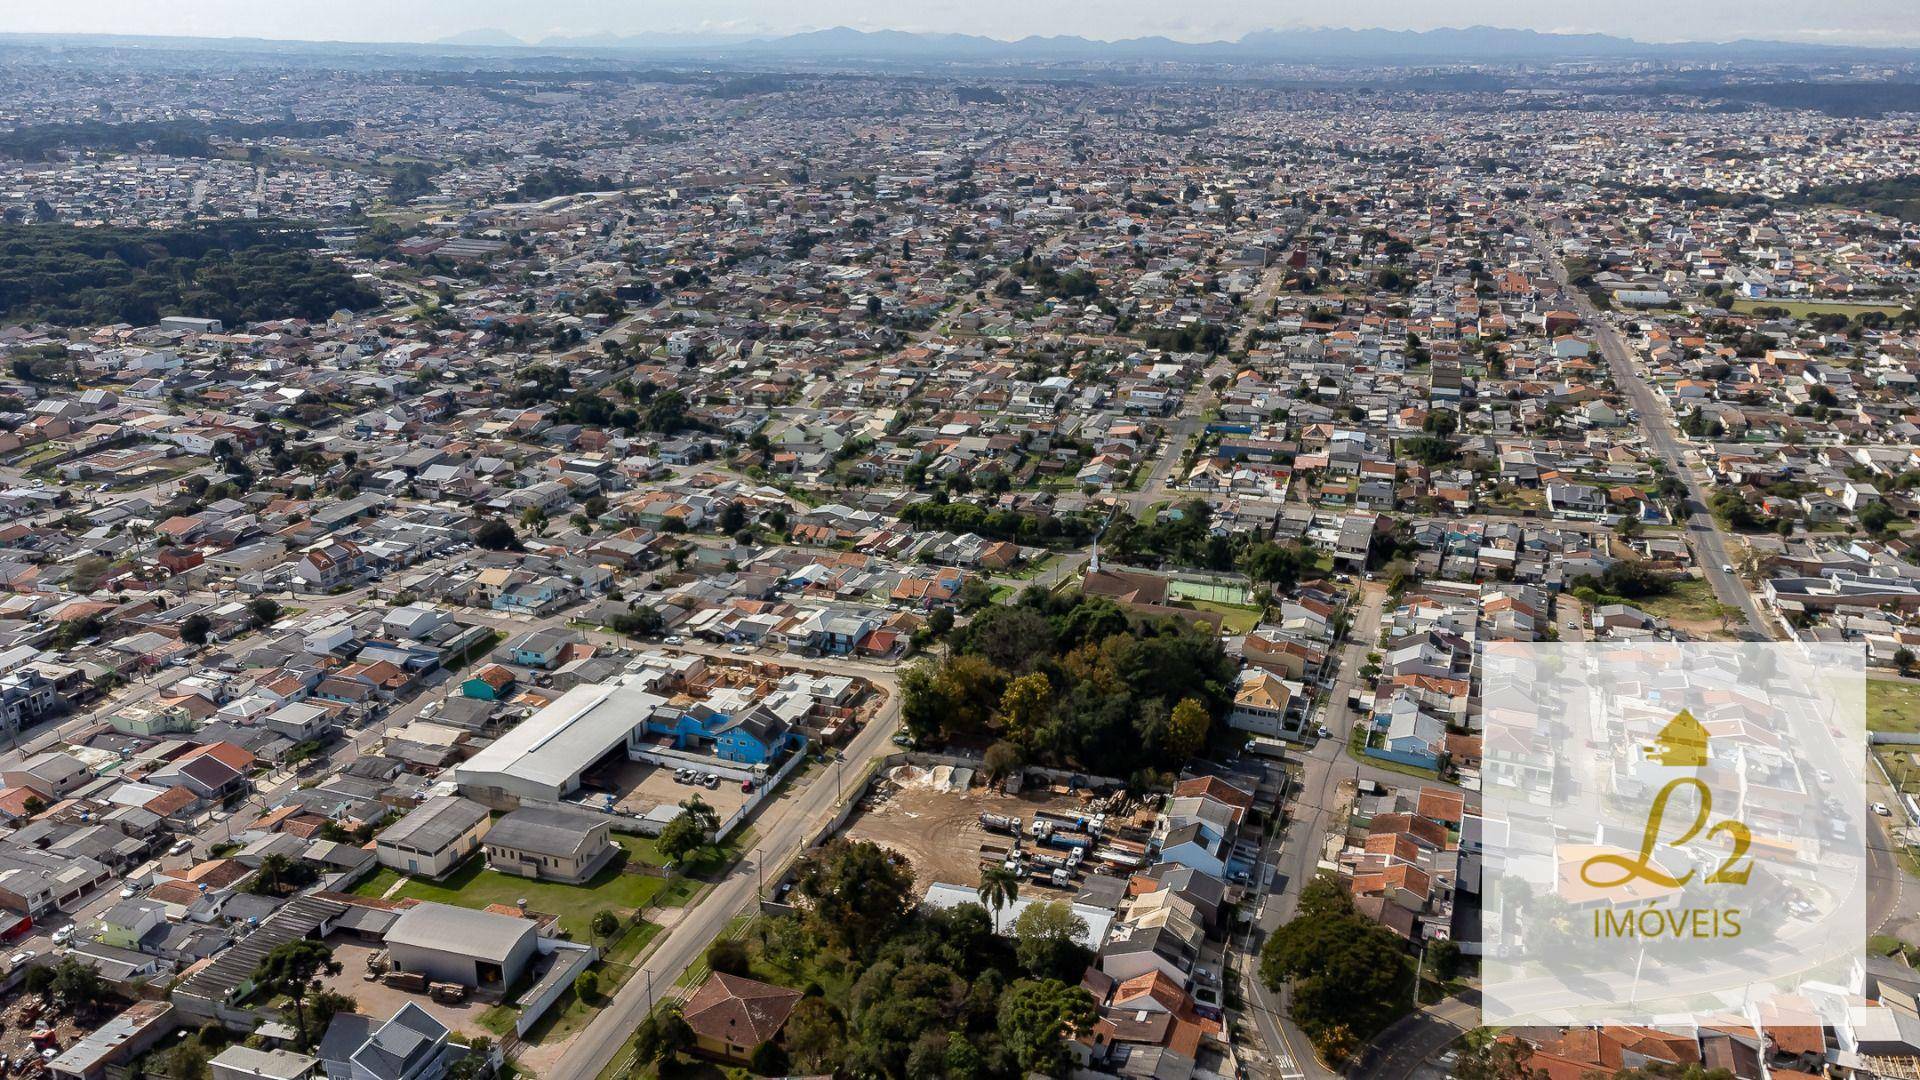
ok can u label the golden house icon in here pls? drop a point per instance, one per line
(1683, 742)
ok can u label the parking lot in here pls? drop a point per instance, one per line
(639, 787)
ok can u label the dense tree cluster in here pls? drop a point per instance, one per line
(558, 180)
(1074, 681)
(235, 271)
(929, 993)
(1185, 538)
(174, 138)
(999, 524)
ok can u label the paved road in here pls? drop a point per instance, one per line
(1304, 838)
(783, 828)
(1710, 545)
(1414, 1038)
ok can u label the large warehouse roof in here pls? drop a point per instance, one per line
(553, 746)
(445, 928)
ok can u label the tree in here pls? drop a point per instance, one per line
(291, 969)
(1503, 1058)
(814, 1036)
(605, 924)
(586, 986)
(1345, 970)
(476, 1063)
(1903, 659)
(496, 535)
(263, 611)
(1038, 1016)
(1011, 638)
(1875, 517)
(729, 956)
(939, 621)
(1046, 940)
(999, 887)
(662, 1035)
(1187, 729)
(73, 984)
(688, 831)
(860, 892)
(768, 1059)
(195, 629)
(1025, 705)
(1000, 759)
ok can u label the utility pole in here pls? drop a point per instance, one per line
(1417, 966)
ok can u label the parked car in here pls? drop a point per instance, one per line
(711, 780)
(181, 846)
(64, 935)
(1881, 809)
(740, 650)
(129, 891)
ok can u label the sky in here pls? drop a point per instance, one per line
(1874, 22)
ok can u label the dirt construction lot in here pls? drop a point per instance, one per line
(938, 830)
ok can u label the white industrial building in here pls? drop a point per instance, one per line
(546, 755)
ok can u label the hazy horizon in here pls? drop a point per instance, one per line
(1857, 22)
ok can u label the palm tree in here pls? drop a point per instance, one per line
(999, 887)
(273, 870)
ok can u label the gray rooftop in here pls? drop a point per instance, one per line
(444, 928)
(434, 824)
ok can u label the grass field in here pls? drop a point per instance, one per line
(1893, 705)
(1234, 619)
(1801, 309)
(1690, 600)
(378, 883)
(475, 886)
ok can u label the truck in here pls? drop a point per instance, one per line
(1116, 857)
(1069, 840)
(1061, 862)
(1078, 822)
(1000, 823)
(1058, 878)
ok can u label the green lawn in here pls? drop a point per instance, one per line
(475, 886)
(1893, 705)
(1233, 617)
(640, 849)
(378, 883)
(1688, 600)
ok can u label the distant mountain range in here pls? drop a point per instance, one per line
(1474, 44)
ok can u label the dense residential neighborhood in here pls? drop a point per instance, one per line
(581, 563)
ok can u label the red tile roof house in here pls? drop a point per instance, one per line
(731, 1016)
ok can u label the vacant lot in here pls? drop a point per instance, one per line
(1893, 705)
